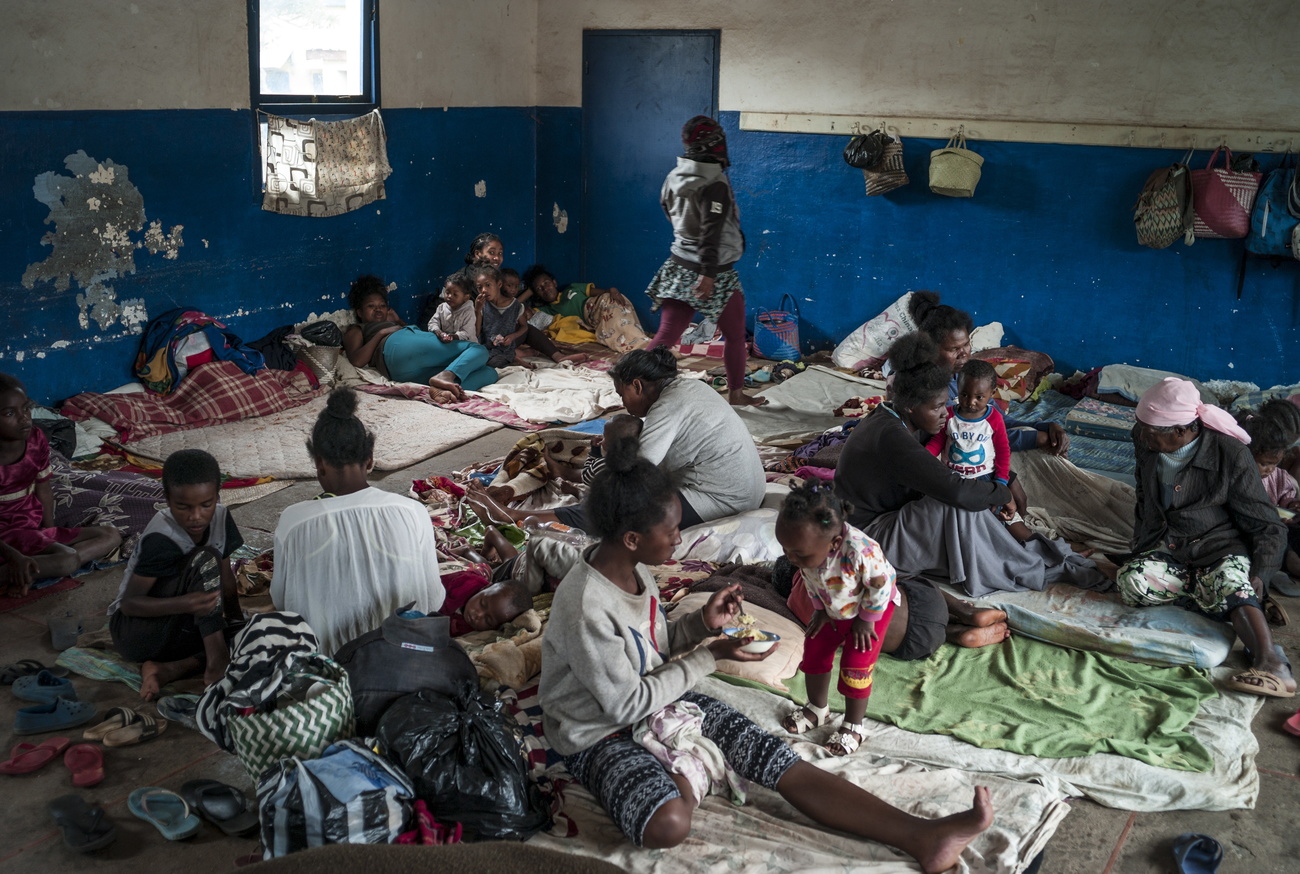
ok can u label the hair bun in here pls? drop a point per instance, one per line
(342, 403)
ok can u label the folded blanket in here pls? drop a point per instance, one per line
(211, 394)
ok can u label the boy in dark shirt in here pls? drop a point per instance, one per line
(178, 594)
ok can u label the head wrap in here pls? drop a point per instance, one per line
(704, 138)
(1172, 402)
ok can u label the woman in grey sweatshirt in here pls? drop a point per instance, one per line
(609, 659)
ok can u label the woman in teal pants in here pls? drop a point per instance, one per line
(381, 340)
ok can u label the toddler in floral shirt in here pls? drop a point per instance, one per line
(852, 585)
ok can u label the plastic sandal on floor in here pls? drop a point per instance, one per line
(26, 758)
(44, 688)
(1197, 854)
(165, 811)
(85, 826)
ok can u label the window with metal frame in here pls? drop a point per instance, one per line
(314, 57)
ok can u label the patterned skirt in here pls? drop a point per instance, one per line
(673, 281)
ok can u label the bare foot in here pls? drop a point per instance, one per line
(738, 398)
(951, 834)
(442, 396)
(575, 358)
(447, 382)
(973, 638)
(488, 510)
(155, 675)
(966, 613)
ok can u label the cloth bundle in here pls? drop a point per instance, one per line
(674, 735)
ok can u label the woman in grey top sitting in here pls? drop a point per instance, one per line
(608, 662)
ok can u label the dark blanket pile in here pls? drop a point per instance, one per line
(756, 586)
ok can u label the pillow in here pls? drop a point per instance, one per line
(1040, 363)
(1130, 382)
(784, 661)
(746, 538)
(986, 337)
(867, 344)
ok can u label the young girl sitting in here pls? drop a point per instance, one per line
(503, 324)
(973, 441)
(851, 584)
(455, 318)
(31, 546)
(608, 662)
(1272, 433)
(178, 594)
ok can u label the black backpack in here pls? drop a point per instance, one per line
(400, 657)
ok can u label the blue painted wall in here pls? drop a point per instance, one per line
(1046, 247)
(258, 270)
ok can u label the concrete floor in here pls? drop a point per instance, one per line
(1092, 840)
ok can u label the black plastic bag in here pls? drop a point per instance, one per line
(322, 333)
(864, 150)
(466, 761)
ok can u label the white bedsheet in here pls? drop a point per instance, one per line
(554, 394)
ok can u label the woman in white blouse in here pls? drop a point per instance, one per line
(346, 560)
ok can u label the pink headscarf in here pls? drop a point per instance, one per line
(1172, 402)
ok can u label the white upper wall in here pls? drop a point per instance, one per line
(1210, 63)
(165, 54)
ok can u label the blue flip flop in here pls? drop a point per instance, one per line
(44, 688)
(165, 811)
(1197, 854)
(55, 716)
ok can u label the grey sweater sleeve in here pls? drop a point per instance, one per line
(592, 662)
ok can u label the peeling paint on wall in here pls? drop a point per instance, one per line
(559, 218)
(480, 188)
(97, 214)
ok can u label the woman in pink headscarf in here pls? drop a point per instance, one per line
(1205, 534)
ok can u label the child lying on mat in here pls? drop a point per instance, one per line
(476, 603)
(852, 585)
(608, 662)
(31, 546)
(178, 599)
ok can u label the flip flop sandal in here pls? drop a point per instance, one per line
(1274, 613)
(1197, 854)
(43, 688)
(26, 758)
(113, 720)
(846, 740)
(222, 805)
(85, 827)
(86, 762)
(180, 708)
(804, 719)
(165, 811)
(1292, 725)
(1266, 684)
(27, 668)
(140, 729)
(58, 714)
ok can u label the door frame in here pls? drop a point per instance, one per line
(587, 33)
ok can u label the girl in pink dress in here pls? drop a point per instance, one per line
(31, 545)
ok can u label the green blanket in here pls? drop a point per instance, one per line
(1036, 699)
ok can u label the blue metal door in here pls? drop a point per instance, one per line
(638, 88)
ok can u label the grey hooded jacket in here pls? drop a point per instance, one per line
(697, 199)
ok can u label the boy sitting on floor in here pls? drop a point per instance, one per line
(178, 595)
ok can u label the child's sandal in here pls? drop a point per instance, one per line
(846, 740)
(805, 718)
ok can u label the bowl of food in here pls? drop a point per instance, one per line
(758, 640)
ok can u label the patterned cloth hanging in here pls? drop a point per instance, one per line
(323, 168)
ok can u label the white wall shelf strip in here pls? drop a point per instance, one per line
(1143, 137)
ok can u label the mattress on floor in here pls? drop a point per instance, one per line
(405, 432)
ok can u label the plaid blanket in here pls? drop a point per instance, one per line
(210, 394)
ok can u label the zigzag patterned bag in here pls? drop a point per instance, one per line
(321, 714)
(1222, 199)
